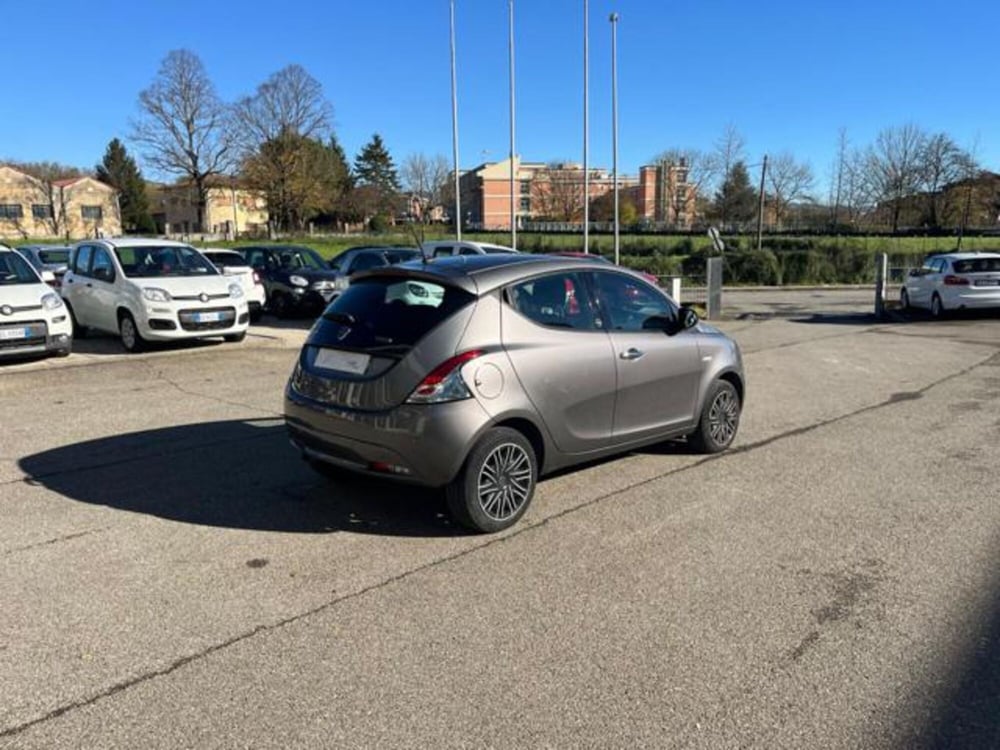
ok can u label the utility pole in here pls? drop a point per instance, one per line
(586, 169)
(454, 129)
(760, 207)
(614, 125)
(513, 212)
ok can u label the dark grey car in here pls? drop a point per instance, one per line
(480, 373)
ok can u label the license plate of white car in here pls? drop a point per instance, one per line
(342, 361)
(14, 333)
(987, 282)
(207, 317)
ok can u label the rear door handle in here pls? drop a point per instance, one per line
(632, 353)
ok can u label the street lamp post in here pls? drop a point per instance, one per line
(586, 171)
(614, 125)
(513, 212)
(454, 129)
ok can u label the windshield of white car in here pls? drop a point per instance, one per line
(148, 261)
(15, 270)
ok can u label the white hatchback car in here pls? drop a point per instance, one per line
(953, 281)
(33, 319)
(151, 290)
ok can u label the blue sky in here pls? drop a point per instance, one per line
(787, 75)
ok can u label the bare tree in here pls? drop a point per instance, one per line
(184, 128)
(427, 180)
(839, 172)
(894, 167)
(790, 181)
(557, 193)
(278, 130)
(943, 163)
(700, 169)
(729, 150)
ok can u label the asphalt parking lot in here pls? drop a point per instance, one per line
(174, 576)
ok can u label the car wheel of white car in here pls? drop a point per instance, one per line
(132, 340)
(720, 419)
(937, 309)
(497, 482)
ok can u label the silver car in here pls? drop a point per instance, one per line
(480, 373)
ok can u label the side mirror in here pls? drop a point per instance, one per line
(688, 318)
(48, 277)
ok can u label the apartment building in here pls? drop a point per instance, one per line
(67, 209)
(554, 192)
(229, 209)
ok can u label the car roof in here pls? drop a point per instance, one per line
(133, 242)
(480, 274)
(963, 256)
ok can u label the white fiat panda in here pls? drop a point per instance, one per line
(151, 290)
(33, 319)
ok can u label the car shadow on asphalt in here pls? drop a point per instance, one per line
(893, 316)
(240, 474)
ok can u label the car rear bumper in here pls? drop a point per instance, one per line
(971, 298)
(421, 444)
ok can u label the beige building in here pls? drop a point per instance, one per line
(68, 209)
(229, 210)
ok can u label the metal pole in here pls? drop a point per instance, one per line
(513, 212)
(454, 129)
(760, 207)
(586, 123)
(614, 124)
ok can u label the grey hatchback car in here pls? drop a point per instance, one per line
(480, 373)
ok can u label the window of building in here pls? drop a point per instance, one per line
(41, 210)
(11, 211)
(526, 204)
(525, 187)
(93, 213)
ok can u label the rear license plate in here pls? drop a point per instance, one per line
(337, 359)
(207, 317)
(987, 282)
(14, 333)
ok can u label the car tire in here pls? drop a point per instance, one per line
(235, 338)
(720, 419)
(128, 331)
(496, 484)
(79, 331)
(256, 315)
(279, 305)
(937, 308)
(904, 299)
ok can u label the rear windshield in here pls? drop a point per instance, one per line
(227, 259)
(15, 270)
(54, 256)
(387, 314)
(401, 256)
(977, 265)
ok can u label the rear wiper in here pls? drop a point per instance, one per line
(343, 318)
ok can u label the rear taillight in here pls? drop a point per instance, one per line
(256, 277)
(444, 383)
(952, 280)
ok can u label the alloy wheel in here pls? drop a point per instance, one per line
(723, 417)
(504, 482)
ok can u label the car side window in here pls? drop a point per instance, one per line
(559, 300)
(81, 261)
(364, 261)
(631, 305)
(443, 251)
(942, 265)
(467, 251)
(101, 267)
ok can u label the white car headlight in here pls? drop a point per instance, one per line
(153, 294)
(295, 280)
(235, 291)
(52, 302)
